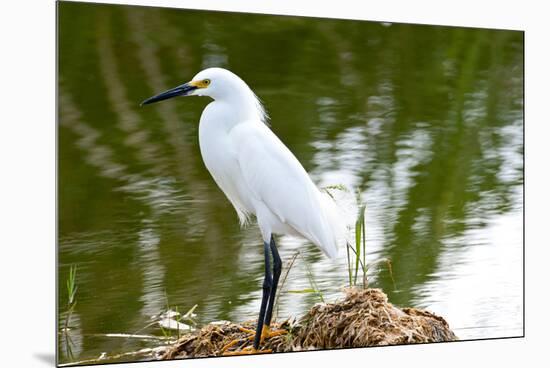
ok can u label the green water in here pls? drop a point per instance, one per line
(426, 122)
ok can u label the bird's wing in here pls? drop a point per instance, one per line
(277, 180)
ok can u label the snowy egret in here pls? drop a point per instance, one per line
(260, 177)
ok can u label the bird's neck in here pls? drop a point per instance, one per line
(241, 107)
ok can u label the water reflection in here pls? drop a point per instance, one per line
(426, 123)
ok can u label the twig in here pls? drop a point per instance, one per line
(290, 263)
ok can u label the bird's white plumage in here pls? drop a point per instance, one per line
(256, 171)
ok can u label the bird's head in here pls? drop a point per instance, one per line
(216, 83)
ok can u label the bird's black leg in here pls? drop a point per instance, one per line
(263, 329)
(267, 287)
(277, 266)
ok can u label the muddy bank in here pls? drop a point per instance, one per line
(363, 318)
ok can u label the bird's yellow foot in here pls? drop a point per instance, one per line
(247, 330)
(249, 350)
(267, 333)
(232, 343)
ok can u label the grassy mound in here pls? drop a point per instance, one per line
(363, 318)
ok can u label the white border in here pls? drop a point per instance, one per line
(27, 182)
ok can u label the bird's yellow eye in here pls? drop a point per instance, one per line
(203, 83)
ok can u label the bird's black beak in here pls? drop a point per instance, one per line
(182, 90)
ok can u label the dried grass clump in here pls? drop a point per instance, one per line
(209, 340)
(363, 318)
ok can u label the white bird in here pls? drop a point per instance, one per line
(260, 176)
